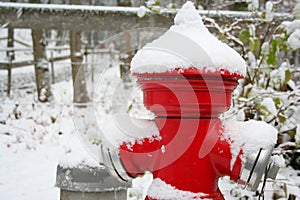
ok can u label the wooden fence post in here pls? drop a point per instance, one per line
(9, 67)
(52, 68)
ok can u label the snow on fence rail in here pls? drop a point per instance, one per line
(78, 17)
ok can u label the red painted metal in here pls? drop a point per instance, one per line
(190, 155)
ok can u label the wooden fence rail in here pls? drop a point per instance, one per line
(83, 18)
(12, 64)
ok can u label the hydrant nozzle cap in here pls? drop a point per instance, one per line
(258, 165)
(187, 43)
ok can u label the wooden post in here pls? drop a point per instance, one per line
(126, 59)
(78, 73)
(11, 56)
(9, 67)
(52, 68)
(40, 66)
(10, 43)
(92, 65)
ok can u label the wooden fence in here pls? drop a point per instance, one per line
(10, 64)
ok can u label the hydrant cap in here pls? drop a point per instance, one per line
(187, 43)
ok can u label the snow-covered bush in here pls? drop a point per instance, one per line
(270, 90)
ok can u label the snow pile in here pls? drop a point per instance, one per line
(269, 104)
(28, 125)
(249, 136)
(121, 128)
(33, 138)
(293, 30)
(294, 40)
(140, 186)
(253, 5)
(141, 11)
(268, 11)
(76, 154)
(187, 44)
(161, 190)
(28, 174)
(291, 26)
(278, 160)
(297, 136)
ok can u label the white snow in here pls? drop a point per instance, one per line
(140, 187)
(293, 30)
(161, 190)
(269, 104)
(19, 13)
(296, 10)
(294, 40)
(297, 136)
(268, 11)
(278, 160)
(252, 30)
(34, 143)
(251, 60)
(253, 5)
(141, 11)
(291, 26)
(265, 47)
(163, 149)
(27, 174)
(119, 129)
(187, 43)
(78, 54)
(291, 184)
(278, 75)
(240, 116)
(269, 6)
(292, 84)
(59, 7)
(76, 154)
(269, 16)
(249, 136)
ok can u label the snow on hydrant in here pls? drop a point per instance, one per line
(187, 77)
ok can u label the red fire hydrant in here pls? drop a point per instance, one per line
(192, 151)
(190, 155)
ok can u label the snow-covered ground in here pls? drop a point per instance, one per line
(32, 137)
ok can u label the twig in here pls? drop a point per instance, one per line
(226, 33)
